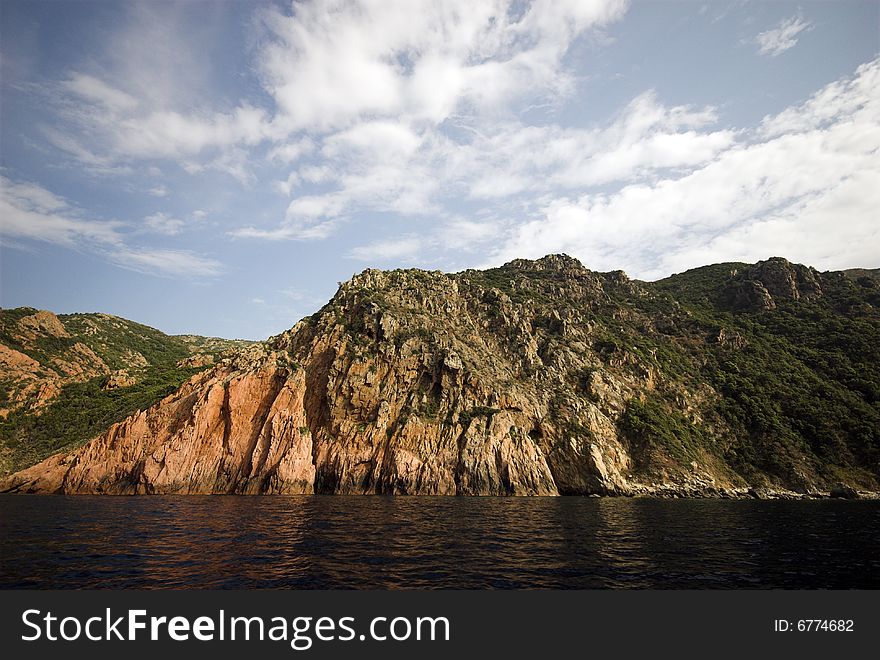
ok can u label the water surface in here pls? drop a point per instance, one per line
(326, 542)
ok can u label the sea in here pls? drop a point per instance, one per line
(377, 542)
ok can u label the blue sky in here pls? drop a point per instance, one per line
(217, 167)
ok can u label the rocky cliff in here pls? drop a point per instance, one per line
(536, 378)
(65, 378)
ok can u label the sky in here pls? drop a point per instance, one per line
(219, 167)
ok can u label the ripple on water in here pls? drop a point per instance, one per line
(309, 542)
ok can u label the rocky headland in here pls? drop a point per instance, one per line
(535, 378)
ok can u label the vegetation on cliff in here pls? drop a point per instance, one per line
(538, 377)
(66, 378)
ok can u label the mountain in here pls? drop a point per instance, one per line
(535, 378)
(64, 379)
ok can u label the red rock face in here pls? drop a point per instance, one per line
(330, 428)
(222, 432)
(395, 417)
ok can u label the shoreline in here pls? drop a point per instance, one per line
(749, 493)
(643, 493)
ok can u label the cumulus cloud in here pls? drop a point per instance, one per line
(377, 83)
(326, 67)
(147, 94)
(778, 190)
(330, 64)
(288, 152)
(781, 38)
(393, 166)
(834, 103)
(646, 137)
(361, 94)
(421, 110)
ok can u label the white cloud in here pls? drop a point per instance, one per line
(646, 137)
(287, 186)
(833, 103)
(456, 234)
(289, 231)
(775, 192)
(172, 263)
(31, 212)
(162, 223)
(84, 156)
(289, 152)
(467, 235)
(409, 169)
(421, 109)
(782, 37)
(377, 140)
(329, 65)
(390, 250)
(97, 91)
(372, 82)
(146, 99)
(169, 134)
(119, 138)
(31, 197)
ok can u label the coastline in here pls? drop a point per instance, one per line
(664, 492)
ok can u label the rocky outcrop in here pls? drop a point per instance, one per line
(196, 361)
(750, 294)
(41, 353)
(118, 379)
(222, 432)
(538, 378)
(768, 281)
(782, 279)
(401, 385)
(44, 356)
(33, 382)
(844, 491)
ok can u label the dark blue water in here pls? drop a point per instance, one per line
(312, 542)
